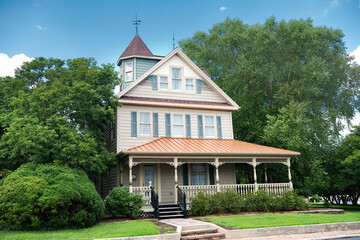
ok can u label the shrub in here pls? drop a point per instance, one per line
(120, 202)
(227, 202)
(292, 201)
(201, 205)
(48, 196)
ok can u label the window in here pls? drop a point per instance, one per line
(164, 83)
(112, 131)
(209, 126)
(144, 124)
(189, 85)
(198, 174)
(178, 125)
(128, 72)
(176, 78)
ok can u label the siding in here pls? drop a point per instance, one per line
(143, 65)
(167, 183)
(227, 174)
(125, 141)
(108, 183)
(144, 89)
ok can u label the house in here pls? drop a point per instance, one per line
(174, 131)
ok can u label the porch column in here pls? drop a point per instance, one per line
(130, 173)
(265, 173)
(255, 177)
(121, 174)
(289, 172)
(176, 178)
(217, 175)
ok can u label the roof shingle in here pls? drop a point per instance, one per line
(137, 47)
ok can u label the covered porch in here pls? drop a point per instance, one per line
(198, 169)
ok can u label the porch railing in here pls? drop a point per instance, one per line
(238, 188)
(145, 192)
(155, 202)
(192, 191)
(182, 201)
(276, 188)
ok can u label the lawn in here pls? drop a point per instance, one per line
(102, 230)
(351, 214)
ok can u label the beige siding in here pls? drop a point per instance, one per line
(144, 89)
(125, 141)
(108, 183)
(167, 183)
(227, 174)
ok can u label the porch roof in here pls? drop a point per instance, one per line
(201, 146)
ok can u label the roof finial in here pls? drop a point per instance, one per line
(136, 22)
(173, 40)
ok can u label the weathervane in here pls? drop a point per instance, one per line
(136, 22)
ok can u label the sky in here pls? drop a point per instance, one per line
(103, 29)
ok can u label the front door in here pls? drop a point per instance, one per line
(149, 175)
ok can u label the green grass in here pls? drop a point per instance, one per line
(102, 230)
(351, 214)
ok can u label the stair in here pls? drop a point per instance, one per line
(203, 234)
(170, 210)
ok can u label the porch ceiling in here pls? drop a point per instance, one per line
(206, 147)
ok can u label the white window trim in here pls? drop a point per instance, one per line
(193, 84)
(173, 125)
(168, 82)
(150, 124)
(132, 71)
(181, 79)
(204, 126)
(207, 175)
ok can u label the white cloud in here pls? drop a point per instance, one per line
(8, 65)
(40, 27)
(222, 8)
(326, 11)
(335, 3)
(356, 54)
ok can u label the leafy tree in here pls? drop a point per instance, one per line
(56, 111)
(292, 81)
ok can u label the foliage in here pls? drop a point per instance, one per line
(122, 203)
(231, 202)
(56, 111)
(48, 196)
(292, 81)
(99, 231)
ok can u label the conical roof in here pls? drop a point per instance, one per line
(137, 47)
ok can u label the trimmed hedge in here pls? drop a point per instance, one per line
(122, 203)
(49, 196)
(231, 202)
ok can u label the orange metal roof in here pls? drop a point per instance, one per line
(197, 146)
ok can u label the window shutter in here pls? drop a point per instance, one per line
(167, 125)
(211, 175)
(154, 82)
(198, 86)
(200, 126)
(155, 125)
(133, 124)
(188, 125)
(185, 174)
(218, 124)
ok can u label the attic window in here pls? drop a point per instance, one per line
(128, 72)
(189, 85)
(176, 78)
(163, 82)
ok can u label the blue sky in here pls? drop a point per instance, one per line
(103, 29)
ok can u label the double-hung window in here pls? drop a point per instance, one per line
(176, 78)
(144, 124)
(198, 174)
(128, 72)
(164, 84)
(189, 85)
(209, 126)
(178, 125)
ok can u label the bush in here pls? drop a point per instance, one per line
(227, 202)
(48, 196)
(201, 205)
(261, 201)
(292, 201)
(120, 202)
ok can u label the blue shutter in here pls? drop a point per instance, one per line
(188, 125)
(211, 175)
(133, 124)
(218, 124)
(154, 82)
(155, 125)
(185, 174)
(200, 126)
(198, 86)
(167, 125)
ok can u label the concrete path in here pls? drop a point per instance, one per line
(182, 222)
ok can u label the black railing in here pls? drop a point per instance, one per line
(182, 201)
(155, 202)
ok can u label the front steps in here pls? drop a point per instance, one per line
(170, 210)
(203, 234)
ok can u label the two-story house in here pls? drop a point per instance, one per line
(174, 129)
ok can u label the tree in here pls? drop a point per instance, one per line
(56, 111)
(292, 81)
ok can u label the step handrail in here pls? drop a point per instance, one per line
(182, 201)
(155, 202)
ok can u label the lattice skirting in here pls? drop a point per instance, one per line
(147, 214)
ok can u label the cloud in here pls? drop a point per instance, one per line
(356, 54)
(222, 8)
(40, 27)
(335, 3)
(326, 11)
(8, 65)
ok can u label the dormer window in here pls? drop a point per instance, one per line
(176, 78)
(128, 72)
